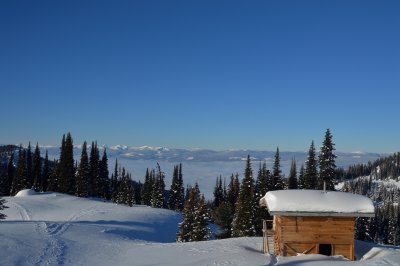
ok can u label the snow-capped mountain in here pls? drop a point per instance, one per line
(208, 155)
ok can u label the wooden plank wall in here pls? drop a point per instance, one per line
(304, 234)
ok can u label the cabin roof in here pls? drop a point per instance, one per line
(317, 203)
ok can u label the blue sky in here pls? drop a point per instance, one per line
(207, 74)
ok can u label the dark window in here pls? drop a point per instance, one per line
(325, 249)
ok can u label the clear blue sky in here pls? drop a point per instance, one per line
(207, 74)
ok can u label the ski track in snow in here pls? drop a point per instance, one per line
(22, 211)
(52, 253)
(55, 248)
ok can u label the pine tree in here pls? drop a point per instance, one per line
(360, 230)
(3, 181)
(20, 180)
(66, 182)
(223, 216)
(174, 191)
(10, 175)
(180, 199)
(37, 169)
(327, 166)
(176, 197)
(121, 195)
(138, 192)
(45, 173)
(301, 183)
(218, 192)
(29, 174)
(243, 222)
(292, 181)
(94, 182)
(277, 182)
(103, 177)
(83, 174)
(130, 193)
(233, 190)
(147, 189)
(261, 188)
(114, 182)
(310, 172)
(54, 176)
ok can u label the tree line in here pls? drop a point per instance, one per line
(235, 206)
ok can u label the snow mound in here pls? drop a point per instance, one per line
(25, 193)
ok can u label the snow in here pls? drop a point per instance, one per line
(25, 193)
(57, 229)
(317, 202)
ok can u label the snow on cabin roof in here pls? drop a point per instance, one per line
(317, 203)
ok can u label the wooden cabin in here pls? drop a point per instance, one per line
(314, 221)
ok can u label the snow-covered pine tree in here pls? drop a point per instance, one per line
(201, 219)
(310, 172)
(327, 166)
(157, 196)
(83, 174)
(277, 181)
(292, 180)
(195, 218)
(2, 207)
(243, 221)
(392, 224)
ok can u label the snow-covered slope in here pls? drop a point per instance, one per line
(57, 229)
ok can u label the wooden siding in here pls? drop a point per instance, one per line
(304, 235)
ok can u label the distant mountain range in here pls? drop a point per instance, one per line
(206, 155)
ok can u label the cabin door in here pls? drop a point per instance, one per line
(325, 249)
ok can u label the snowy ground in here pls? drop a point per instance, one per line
(56, 229)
